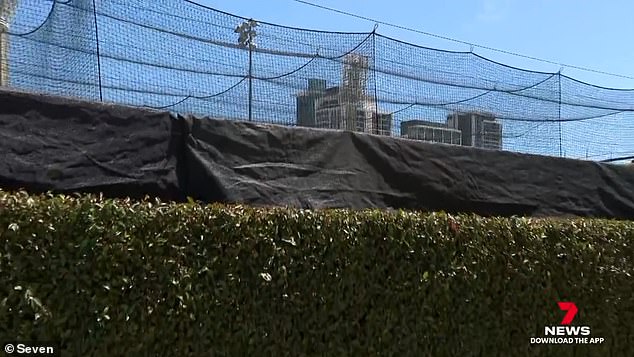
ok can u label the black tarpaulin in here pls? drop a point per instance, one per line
(49, 143)
(272, 165)
(71, 146)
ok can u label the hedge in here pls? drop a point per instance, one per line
(122, 277)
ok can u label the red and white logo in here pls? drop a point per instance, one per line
(571, 309)
(565, 332)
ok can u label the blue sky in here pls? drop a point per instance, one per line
(158, 53)
(594, 34)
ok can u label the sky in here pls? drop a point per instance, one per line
(585, 33)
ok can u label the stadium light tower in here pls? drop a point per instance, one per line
(247, 40)
(7, 10)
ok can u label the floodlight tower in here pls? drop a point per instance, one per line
(247, 40)
(7, 11)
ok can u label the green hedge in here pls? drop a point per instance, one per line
(118, 277)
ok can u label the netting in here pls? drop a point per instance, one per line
(184, 57)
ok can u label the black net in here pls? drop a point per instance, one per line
(180, 56)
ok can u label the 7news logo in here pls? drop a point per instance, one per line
(564, 328)
(565, 332)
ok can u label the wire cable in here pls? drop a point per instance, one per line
(622, 158)
(471, 44)
(197, 97)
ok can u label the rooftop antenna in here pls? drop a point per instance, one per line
(7, 11)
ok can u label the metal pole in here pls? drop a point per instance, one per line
(94, 8)
(377, 120)
(250, 83)
(4, 55)
(560, 148)
(7, 10)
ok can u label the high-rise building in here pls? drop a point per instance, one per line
(306, 102)
(332, 111)
(430, 131)
(383, 124)
(355, 77)
(491, 135)
(335, 111)
(478, 129)
(346, 107)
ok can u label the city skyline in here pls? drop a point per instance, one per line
(349, 107)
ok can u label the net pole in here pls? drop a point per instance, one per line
(559, 116)
(377, 121)
(7, 10)
(4, 55)
(94, 10)
(250, 84)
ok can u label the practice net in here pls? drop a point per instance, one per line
(183, 57)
